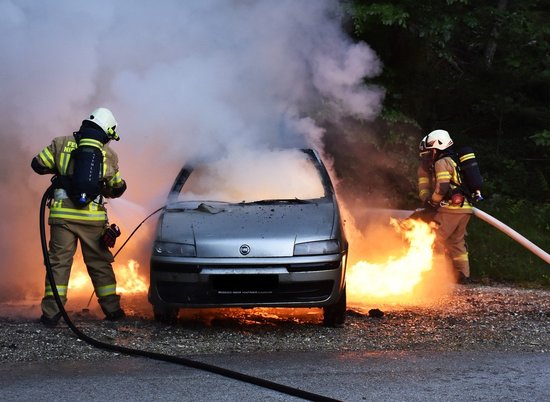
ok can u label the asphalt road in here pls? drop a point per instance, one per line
(349, 376)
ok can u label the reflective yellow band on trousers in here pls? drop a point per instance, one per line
(107, 290)
(61, 289)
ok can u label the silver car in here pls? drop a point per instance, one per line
(255, 231)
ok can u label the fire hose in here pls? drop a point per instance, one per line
(512, 233)
(154, 355)
(500, 226)
(123, 244)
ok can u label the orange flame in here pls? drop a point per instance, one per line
(396, 278)
(129, 281)
(79, 279)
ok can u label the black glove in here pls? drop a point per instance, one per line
(423, 214)
(118, 191)
(110, 235)
(430, 206)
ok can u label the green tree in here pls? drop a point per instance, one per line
(452, 61)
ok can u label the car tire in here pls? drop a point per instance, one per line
(335, 314)
(166, 315)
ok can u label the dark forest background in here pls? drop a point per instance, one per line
(480, 70)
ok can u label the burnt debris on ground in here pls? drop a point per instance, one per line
(472, 318)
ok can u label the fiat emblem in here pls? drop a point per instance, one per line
(245, 249)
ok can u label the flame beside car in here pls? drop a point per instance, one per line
(396, 278)
(129, 281)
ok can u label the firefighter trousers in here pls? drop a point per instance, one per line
(450, 239)
(97, 257)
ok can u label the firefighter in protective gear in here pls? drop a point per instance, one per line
(70, 223)
(438, 185)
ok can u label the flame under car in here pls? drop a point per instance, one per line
(254, 232)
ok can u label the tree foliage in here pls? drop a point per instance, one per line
(486, 63)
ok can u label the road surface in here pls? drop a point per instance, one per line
(350, 376)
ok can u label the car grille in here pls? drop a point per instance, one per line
(244, 289)
(179, 268)
(314, 267)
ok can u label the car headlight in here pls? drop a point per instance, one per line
(317, 247)
(169, 249)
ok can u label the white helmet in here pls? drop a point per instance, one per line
(105, 119)
(423, 152)
(437, 139)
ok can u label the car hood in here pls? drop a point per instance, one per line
(267, 230)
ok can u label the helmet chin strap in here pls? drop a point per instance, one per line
(112, 134)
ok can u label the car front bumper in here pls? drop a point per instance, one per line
(312, 281)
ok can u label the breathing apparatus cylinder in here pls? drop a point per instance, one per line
(470, 173)
(88, 166)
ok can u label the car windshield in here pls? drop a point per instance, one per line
(284, 175)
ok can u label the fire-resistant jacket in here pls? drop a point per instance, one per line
(440, 183)
(56, 159)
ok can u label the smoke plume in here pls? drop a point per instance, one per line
(184, 80)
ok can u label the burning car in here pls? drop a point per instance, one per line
(255, 231)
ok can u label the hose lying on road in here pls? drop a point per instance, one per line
(153, 355)
(512, 233)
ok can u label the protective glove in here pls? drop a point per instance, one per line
(423, 214)
(430, 206)
(118, 191)
(110, 235)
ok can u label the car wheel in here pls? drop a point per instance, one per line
(166, 315)
(335, 314)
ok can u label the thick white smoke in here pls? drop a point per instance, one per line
(184, 80)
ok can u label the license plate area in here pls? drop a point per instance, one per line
(244, 284)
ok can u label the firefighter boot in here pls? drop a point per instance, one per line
(115, 315)
(463, 279)
(50, 322)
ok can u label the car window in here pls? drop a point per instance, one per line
(276, 175)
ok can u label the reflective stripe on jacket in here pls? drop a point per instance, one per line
(424, 184)
(65, 209)
(445, 173)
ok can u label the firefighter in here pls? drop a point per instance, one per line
(72, 220)
(439, 185)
